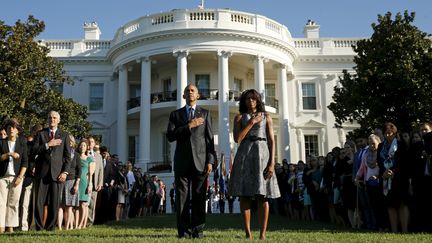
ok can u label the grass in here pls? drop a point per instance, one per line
(219, 228)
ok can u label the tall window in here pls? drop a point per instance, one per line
(96, 97)
(311, 145)
(133, 149)
(202, 81)
(238, 87)
(238, 84)
(168, 93)
(167, 87)
(166, 149)
(270, 94)
(309, 96)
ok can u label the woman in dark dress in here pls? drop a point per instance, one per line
(392, 160)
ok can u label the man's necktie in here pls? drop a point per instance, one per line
(52, 135)
(191, 113)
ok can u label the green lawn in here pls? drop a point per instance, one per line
(220, 228)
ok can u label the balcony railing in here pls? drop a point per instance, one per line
(202, 19)
(205, 94)
(163, 97)
(154, 98)
(134, 102)
(213, 94)
(159, 167)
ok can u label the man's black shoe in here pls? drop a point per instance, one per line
(185, 235)
(197, 235)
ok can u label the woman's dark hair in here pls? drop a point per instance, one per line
(12, 122)
(247, 94)
(86, 142)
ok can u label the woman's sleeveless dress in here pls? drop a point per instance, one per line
(251, 159)
(83, 184)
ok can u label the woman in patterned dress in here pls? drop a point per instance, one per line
(252, 175)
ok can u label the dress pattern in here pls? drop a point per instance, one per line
(83, 184)
(250, 161)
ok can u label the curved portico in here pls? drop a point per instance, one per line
(167, 51)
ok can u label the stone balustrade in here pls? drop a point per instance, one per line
(58, 45)
(302, 43)
(203, 19)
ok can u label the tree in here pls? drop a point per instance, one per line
(26, 71)
(393, 80)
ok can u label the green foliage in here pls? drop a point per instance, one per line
(393, 77)
(25, 72)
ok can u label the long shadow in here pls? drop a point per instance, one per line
(215, 222)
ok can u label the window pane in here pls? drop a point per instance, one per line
(238, 84)
(96, 97)
(308, 90)
(309, 96)
(311, 145)
(270, 90)
(132, 149)
(96, 104)
(166, 149)
(202, 81)
(309, 103)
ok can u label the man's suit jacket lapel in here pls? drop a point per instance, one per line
(198, 111)
(45, 135)
(183, 115)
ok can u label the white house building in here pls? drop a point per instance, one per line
(132, 82)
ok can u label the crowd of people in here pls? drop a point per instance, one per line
(380, 182)
(89, 187)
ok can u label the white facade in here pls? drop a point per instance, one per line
(131, 82)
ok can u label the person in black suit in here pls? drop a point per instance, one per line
(53, 151)
(107, 208)
(26, 201)
(194, 158)
(13, 165)
(421, 153)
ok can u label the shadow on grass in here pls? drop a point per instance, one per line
(215, 222)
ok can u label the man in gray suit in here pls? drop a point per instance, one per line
(97, 182)
(194, 158)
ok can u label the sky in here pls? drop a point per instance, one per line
(337, 18)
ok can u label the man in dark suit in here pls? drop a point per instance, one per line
(107, 209)
(53, 151)
(421, 174)
(194, 157)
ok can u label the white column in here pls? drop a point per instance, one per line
(122, 135)
(300, 143)
(145, 114)
(181, 76)
(223, 96)
(259, 76)
(284, 145)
